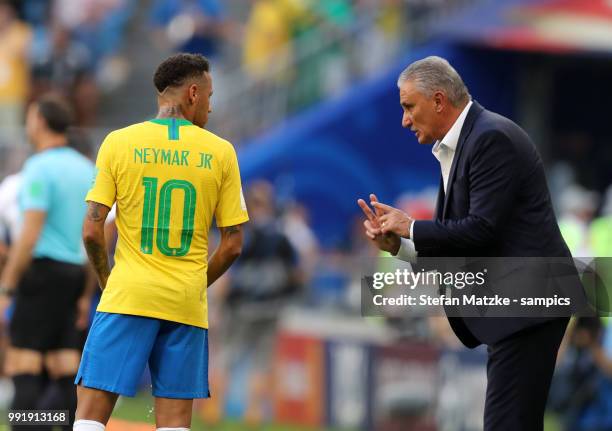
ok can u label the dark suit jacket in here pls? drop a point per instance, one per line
(497, 204)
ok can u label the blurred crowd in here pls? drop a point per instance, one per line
(581, 393)
(80, 52)
(582, 387)
(280, 33)
(55, 46)
(585, 220)
(288, 52)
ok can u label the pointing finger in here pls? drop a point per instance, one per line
(373, 199)
(366, 210)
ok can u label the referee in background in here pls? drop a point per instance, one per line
(45, 269)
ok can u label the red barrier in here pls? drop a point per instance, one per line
(299, 375)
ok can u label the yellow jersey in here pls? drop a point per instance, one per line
(168, 178)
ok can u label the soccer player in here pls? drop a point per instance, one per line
(168, 177)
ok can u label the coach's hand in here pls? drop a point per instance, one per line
(392, 220)
(388, 242)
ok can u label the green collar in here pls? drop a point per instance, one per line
(173, 125)
(169, 121)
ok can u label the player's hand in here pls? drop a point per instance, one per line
(388, 242)
(392, 220)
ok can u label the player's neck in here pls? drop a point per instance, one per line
(171, 110)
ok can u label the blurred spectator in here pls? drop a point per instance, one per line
(263, 281)
(601, 228)
(268, 51)
(331, 279)
(66, 66)
(598, 415)
(336, 16)
(96, 23)
(195, 26)
(321, 47)
(35, 12)
(578, 207)
(301, 237)
(15, 37)
(381, 42)
(268, 57)
(582, 386)
(574, 382)
(99, 26)
(601, 243)
(419, 13)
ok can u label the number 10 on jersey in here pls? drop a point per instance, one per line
(162, 230)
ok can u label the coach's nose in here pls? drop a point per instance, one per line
(406, 120)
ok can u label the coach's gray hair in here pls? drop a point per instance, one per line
(433, 74)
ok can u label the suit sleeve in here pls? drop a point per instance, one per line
(494, 178)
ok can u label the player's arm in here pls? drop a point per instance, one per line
(95, 241)
(84, 301)
(20, 253)
(228, 250)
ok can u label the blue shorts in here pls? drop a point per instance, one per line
(119, 346)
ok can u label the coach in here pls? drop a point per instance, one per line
(493, 200)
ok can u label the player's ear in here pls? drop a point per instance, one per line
(192, 94)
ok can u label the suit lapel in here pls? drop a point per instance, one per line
(468, 124)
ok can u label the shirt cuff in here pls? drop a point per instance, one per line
(407, 251)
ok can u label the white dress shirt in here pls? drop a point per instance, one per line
(444, 151)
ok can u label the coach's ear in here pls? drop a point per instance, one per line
(440, 101)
